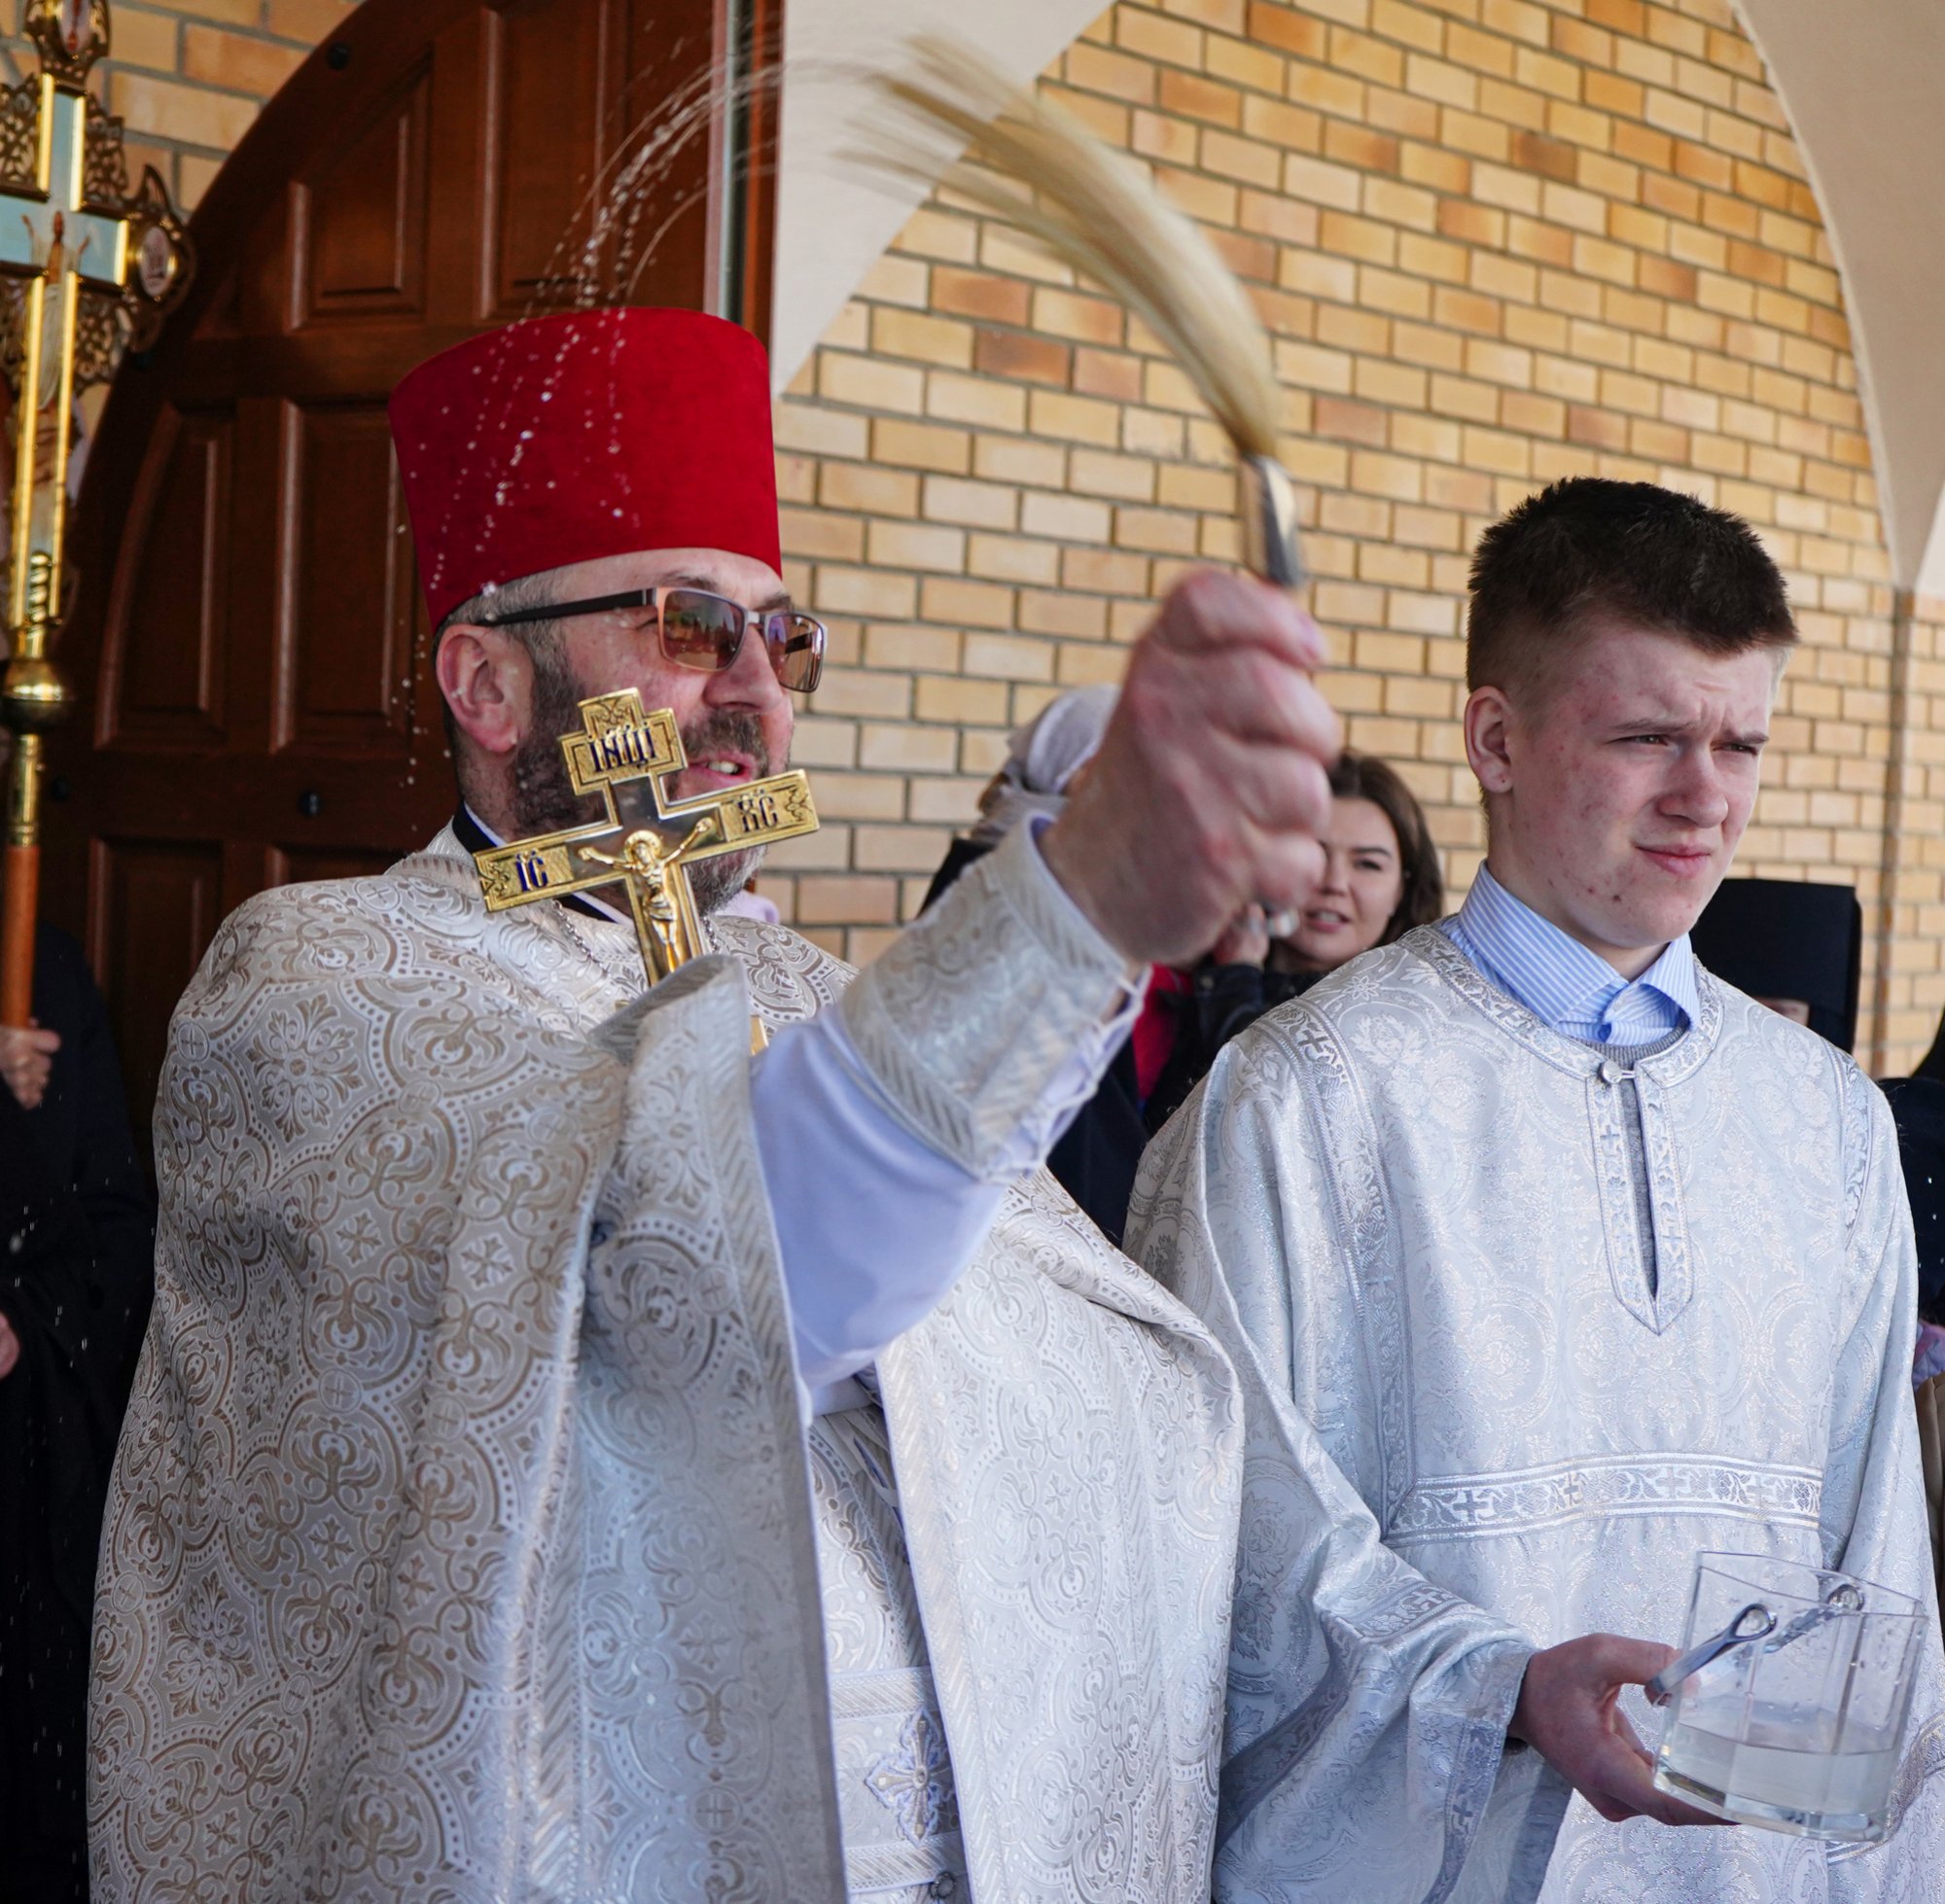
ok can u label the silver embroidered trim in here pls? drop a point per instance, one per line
(1859, 1135)
(913, 1782)
(1266, 1761)
(968, 1016)
(1620, 1213)
(1597, 1487)
(1566, 1054)
(1346, 1137)
(1675, 1255)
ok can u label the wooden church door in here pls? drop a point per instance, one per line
(247, 644)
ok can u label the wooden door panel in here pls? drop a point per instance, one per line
(345, 681)
(156, 907)
(169, 619)
(345, 363)
(544, 114)
(360, 221)
(663, 234)
(255, 547)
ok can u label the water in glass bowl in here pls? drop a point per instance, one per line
(1767, 1766)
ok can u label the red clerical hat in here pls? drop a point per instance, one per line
(596, 433)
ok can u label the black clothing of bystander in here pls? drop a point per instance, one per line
(1918, 1109)
(77, 1245)
(1788, 938)
(1223, 1001)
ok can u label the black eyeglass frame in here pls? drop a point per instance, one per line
(645, 598)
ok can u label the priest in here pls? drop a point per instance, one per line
(1577, 1260)
(572, 1459)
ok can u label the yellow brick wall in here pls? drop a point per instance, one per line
(1497, 242)
(189, 78)
(1911, 990)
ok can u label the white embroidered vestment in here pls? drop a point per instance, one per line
(1410, 1210)
(895, 1791)
(462, 1543)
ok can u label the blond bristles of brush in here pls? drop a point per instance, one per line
(1097, 211)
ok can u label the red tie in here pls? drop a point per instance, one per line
(1155, 1027)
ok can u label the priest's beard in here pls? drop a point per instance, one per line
(544, 797)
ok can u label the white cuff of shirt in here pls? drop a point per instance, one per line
(875, 1219)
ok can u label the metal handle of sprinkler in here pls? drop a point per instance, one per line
(1268, 503)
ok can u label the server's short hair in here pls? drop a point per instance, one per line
(1588, 547)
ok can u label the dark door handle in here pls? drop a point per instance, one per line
(310, 805)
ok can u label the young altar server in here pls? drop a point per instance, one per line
(1577, 1260)
(572, 1460)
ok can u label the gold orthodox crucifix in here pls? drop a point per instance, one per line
(70, 231)
(618, 750)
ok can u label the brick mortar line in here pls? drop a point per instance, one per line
(1015, 381)
(1712, 274)
(1512, 432)
(1677, 223)
(1362, 116)
(1245, 89)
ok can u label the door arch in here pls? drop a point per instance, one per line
(247, 639)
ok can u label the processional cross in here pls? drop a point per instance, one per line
(621, 754)
(69, 228)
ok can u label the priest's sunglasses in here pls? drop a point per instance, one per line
(703, 632)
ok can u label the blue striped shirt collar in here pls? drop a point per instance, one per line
(1571, 990)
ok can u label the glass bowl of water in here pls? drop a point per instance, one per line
(1794, 1719)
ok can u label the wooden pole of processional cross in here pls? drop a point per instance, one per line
(97, 266)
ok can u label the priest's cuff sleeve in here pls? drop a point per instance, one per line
(987, 1023)
(890, 1127)
(873, 1227)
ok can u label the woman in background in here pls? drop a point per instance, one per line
(1381, 879)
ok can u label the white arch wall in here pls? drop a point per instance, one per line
(1863, 81)
(834, 223)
